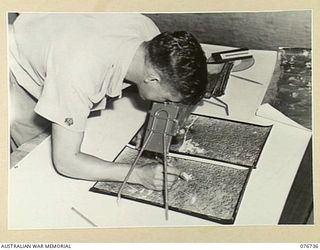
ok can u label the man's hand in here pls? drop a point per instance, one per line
(151, 175)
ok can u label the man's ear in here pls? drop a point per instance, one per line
(152, 77)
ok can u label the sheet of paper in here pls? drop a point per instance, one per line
(245, 89)
(277, 116)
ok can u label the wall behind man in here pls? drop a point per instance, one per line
(255, 30)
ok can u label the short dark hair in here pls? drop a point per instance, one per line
(181, 62)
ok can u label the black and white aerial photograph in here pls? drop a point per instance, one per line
(153, 119)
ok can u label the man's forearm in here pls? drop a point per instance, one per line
(87, 167)
(70, 161)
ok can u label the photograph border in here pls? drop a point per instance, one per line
(283, 233)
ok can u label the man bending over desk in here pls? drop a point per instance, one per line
(62, 66)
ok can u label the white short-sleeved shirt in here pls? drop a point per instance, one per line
(71, 62)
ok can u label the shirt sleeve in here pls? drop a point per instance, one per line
(73, 75)
(150, 30)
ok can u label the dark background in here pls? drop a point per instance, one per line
(255, 30)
